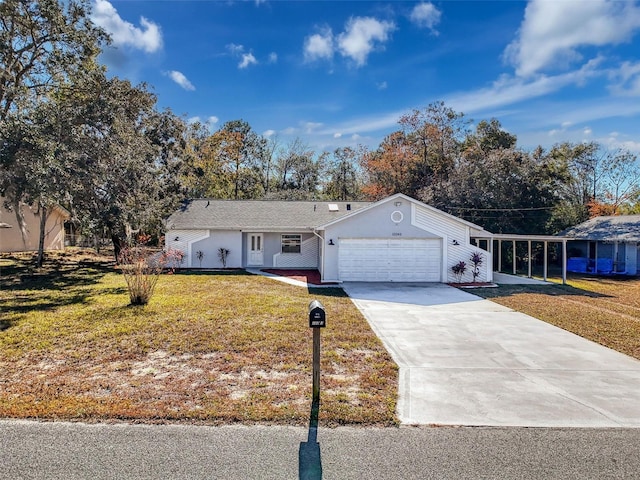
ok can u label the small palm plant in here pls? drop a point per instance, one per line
(458, 270)
(223, 253)
(476, 261)
(200, 256)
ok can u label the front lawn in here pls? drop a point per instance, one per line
(604, 310)
(211, 347)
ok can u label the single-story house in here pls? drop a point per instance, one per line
(395, 239)
(13, 239)
(605, 245)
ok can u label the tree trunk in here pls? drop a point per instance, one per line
(118, 245)
(43, 225)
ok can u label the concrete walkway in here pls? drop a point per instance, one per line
(468, 361)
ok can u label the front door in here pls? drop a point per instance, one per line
(256, 250)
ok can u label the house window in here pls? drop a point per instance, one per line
(291, 243)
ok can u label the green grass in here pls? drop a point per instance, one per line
(211, 348)
(604, 310)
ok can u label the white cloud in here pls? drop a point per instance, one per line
(273, 57)
(426, 15)
(361, 36)
(626, 80)
(508, 90)
(212, 120)
(552, 31)
(337, 135)
(381, 85)
(247, 59)
(181, 80)
(269, 133)
(235, 49)
(147, 37)
(319, 46)
(309, 127)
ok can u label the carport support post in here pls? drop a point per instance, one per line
(529, 256)
(564, 262)
(544, 265)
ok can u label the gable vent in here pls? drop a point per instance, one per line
(333, 207)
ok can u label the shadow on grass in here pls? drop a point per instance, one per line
(60, 282)
(213, 273)
(337, 292)
(552, 290)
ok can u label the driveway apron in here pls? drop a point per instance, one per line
(468, 361)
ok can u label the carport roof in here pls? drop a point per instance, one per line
(622, 228)
(271, 215)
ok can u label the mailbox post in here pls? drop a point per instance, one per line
(317, 320)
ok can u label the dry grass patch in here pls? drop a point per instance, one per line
(213, 348)
(605, 310)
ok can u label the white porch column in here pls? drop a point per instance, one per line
(514, 258)
(529, 256)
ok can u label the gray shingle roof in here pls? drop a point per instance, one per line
(273, 215)
(621, 228)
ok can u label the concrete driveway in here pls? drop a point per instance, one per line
(468, 361)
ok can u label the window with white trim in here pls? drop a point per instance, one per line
(291, 243)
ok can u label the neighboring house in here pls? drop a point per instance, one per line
(605, 245)
(12, 239)
(395, 239)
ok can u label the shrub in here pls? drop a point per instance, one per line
(458, 270)
(200, 256)
(141, 269)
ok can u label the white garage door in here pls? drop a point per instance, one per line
(389, 260)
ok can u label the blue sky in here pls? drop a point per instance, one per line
(339, 73)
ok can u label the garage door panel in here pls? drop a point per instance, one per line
(385, 260)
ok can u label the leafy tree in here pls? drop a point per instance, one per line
(239, 148)
(391, 168)
(436, 135)
(343, 178)
(598, 181)
(506, 191)
(205, 173)
(266, 157)
(42, 43)
(298, 171)
(489, 136)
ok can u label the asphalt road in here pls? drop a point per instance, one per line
(33, 450)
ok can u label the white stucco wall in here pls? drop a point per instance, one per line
(272, 245)
(418, 222)
(375, 222)
(208, 242)
(229, 239)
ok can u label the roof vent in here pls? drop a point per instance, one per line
(333, 207)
